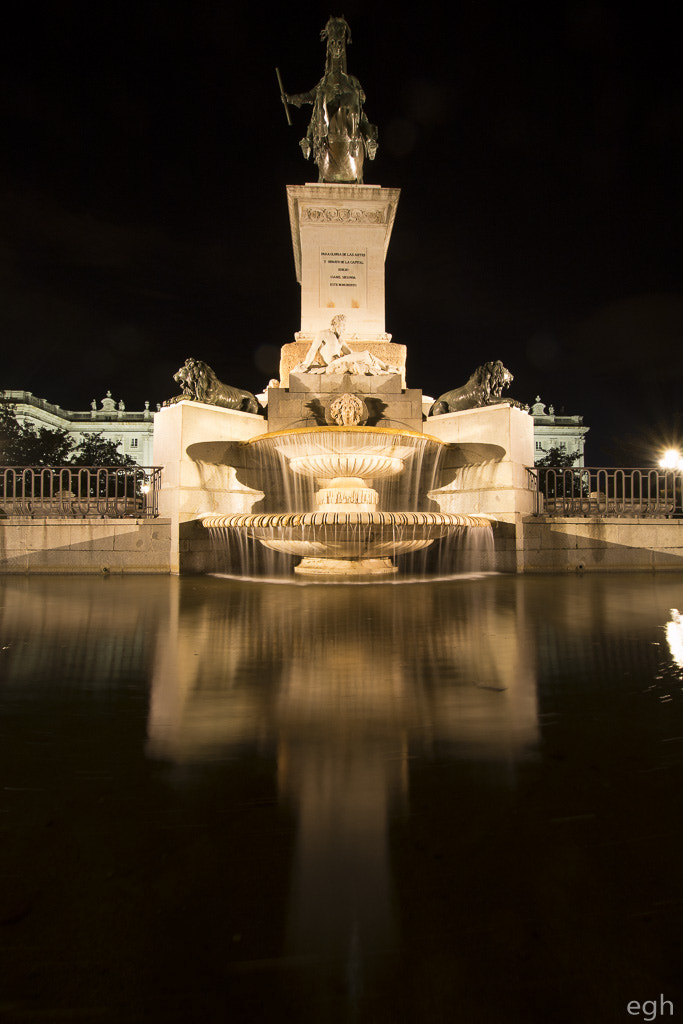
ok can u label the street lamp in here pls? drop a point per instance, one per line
(672, 459)
(145, 489)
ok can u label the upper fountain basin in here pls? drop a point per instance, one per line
(360, 452)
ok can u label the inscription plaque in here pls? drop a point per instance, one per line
(343, 278)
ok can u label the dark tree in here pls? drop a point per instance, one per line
(557, 458)
(555, 480)
(96, 450)
(22, 445)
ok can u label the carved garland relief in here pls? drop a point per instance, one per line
(342, 215)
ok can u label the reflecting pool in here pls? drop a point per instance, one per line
(233, 801)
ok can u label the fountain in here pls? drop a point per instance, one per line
(344, 476)
(346, 533)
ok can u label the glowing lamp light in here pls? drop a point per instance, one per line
(671, 459)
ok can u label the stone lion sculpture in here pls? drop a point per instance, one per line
(485, 387)
(199, 383)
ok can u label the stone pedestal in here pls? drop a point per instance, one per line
(340, 237)
(307, 401)
(500, 487)
(197, 445)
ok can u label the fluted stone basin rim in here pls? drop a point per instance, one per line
(313, 431)
(289, 520)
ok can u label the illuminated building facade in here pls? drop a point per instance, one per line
(566, 433)
(132, 432)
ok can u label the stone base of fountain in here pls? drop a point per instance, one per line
(345, 567)
(306, 402)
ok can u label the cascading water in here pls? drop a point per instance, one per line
(353, 500)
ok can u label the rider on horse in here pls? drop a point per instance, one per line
(339, 134)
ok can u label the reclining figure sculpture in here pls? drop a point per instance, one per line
(329, 353)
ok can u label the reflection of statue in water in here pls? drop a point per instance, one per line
(329, 353)
(339, 134)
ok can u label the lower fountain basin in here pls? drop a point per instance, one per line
(345, 543)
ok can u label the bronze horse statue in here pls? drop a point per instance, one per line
(339, 134)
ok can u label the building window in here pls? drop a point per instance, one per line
(539, 446)
(133, 442)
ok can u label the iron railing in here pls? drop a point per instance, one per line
(79, 492)
(596, 491)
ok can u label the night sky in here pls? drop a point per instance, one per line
(537, 146)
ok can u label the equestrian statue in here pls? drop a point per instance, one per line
(339, 134)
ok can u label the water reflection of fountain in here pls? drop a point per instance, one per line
(353, 497)
(425, 661)
(392, 725)
(343, 690)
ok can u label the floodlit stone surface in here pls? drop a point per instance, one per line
(196, 445)
(85, 545)
(495, 424)
(499, 487)
(340, 237)
(387, 408)
(552, 545)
